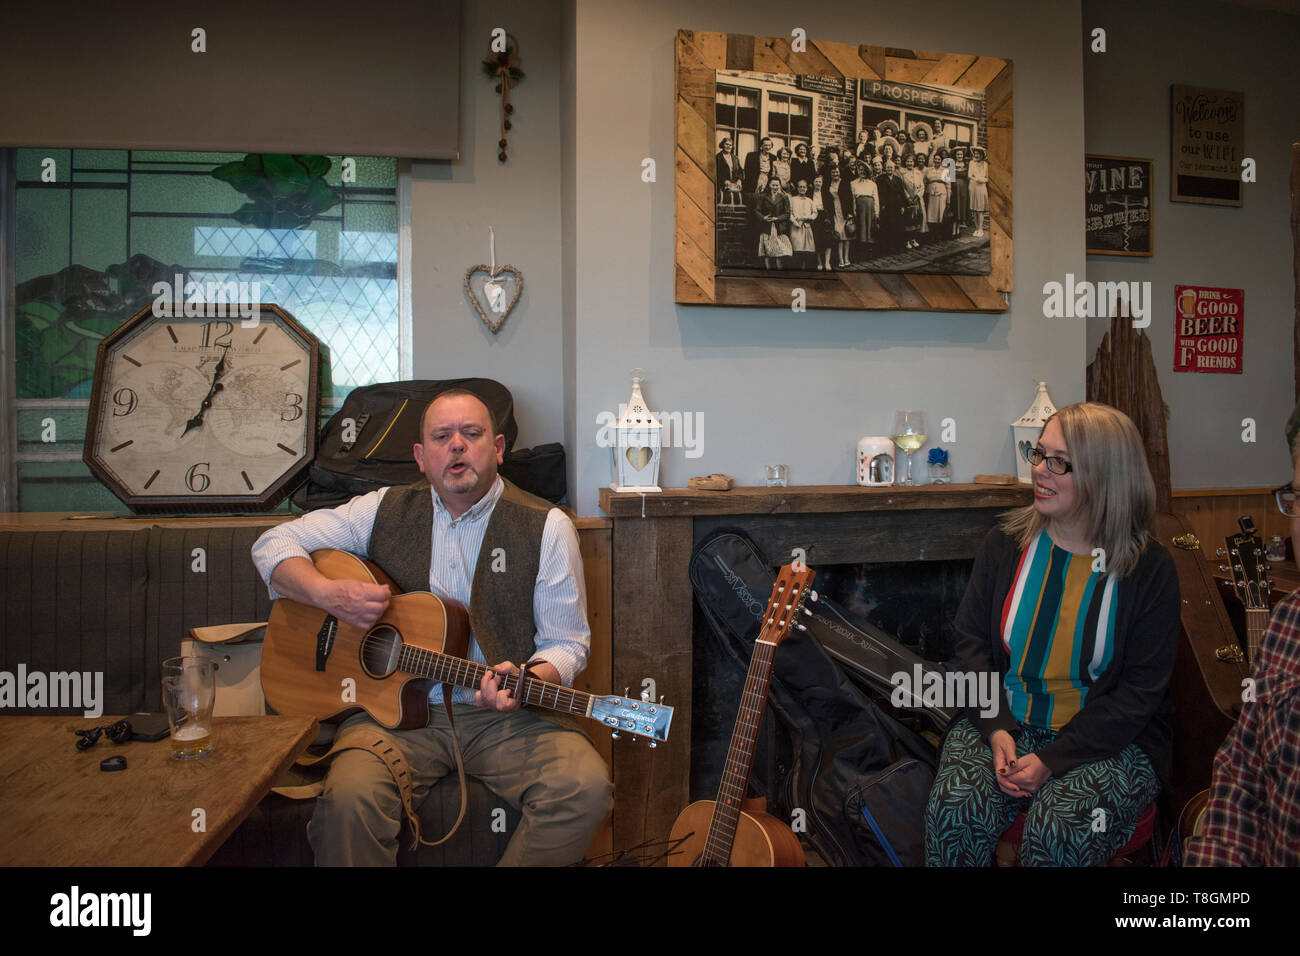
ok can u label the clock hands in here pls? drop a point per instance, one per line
(220, 370)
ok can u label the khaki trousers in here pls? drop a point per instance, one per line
(552, 775)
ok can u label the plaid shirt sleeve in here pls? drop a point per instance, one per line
(1254, 803)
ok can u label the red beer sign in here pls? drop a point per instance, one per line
(1207, 329)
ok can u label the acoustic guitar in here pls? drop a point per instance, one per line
(1250, 581)
(731, 830)
(316, 665)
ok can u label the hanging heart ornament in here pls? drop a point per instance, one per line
(493, 293)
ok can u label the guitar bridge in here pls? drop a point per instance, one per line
(325, 640)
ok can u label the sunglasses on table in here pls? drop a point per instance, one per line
(1055, 464)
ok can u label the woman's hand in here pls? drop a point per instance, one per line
(1029, 774)
(1004, 763)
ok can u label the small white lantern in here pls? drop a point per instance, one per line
(1026, 428)
(638, 438)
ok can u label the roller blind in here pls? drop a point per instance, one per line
(329, 76)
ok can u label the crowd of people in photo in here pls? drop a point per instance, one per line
(892, 192)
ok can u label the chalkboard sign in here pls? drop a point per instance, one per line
(1207, 145)
(1117, 191)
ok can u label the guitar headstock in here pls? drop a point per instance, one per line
(793, 586)
(627, 715)
(1249, 570)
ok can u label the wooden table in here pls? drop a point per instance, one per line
(57, 808)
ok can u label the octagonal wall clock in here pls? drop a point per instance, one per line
(203, 414)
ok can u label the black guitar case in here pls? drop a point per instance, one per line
(850, 778)
(366, 444)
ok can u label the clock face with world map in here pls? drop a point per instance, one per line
(203, 413)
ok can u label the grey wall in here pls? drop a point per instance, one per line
(1126, 90)
(452, 205)
(774, 386)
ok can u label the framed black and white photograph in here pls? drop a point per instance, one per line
(857, 176)
(819, 174)
(1117, 196)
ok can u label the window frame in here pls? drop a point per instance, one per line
(11, 406)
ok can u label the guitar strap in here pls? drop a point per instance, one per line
(374, 739)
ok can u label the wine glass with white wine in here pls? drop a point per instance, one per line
(909, 434)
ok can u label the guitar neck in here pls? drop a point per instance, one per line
(740, 758)
(1256, 623)
(462, 673)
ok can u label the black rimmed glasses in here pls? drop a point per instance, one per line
(119, 733)
(1286, 501)
(1055, 464)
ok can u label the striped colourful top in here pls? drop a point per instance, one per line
(1058, 626)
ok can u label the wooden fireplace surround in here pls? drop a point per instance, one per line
(654, 535)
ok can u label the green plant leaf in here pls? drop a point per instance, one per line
(316, 166)
(251, 214)
(320, 196)
(239, 176)
(287, 175)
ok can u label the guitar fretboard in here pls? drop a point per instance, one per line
(740, 758)
(1256, 623)
(462, 673)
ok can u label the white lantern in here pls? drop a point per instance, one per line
(1026, 428)
(638, 438)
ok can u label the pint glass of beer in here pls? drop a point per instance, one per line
(189, 691)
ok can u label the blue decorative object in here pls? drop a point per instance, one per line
(940, 474)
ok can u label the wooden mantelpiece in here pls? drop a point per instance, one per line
(654, 535)
(808, 499)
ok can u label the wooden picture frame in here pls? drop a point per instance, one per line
(697, 278)
(1123, 185)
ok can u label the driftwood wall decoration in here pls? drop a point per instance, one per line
(1123, 375)
(700, 281)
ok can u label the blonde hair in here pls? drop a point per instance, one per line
(1115, 496)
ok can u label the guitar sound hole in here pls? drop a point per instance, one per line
(380, 650)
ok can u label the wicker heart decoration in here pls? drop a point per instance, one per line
(493, 293)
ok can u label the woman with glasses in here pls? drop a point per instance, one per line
(1075, 607)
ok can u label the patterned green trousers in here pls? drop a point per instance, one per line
(1082, 818)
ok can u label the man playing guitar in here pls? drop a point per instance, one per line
(466, 535)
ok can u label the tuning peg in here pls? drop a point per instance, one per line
(614, 734)
(1224, 568)
(653, 745)
(813, 596)
(1219, 552)
(661, 698)
(801, 627)
(625, 690)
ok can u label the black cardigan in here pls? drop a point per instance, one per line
(1130, 701)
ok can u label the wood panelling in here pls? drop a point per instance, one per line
(1213, 515)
